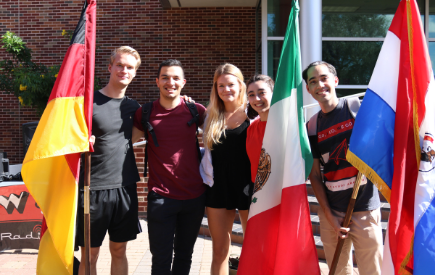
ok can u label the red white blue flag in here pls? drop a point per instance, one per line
(392, 142)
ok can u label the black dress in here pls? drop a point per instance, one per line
(232, 186)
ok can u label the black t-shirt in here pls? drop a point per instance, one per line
(330, 145)
(113, 164)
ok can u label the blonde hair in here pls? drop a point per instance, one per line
(215, 124)
(128, 50)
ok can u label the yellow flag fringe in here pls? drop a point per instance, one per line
(370, 174)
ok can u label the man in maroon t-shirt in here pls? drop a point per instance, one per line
(176, 190)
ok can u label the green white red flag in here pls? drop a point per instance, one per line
(279, 237)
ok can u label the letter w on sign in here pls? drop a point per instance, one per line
(14, 201)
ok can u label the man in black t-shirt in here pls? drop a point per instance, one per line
(329, 137)
(113, 194)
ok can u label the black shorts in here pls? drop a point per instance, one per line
(239, 197)
(113, 210)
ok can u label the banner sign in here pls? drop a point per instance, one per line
(20, 217)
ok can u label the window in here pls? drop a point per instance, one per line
(353, 32)
(278, 12)
(352, 36)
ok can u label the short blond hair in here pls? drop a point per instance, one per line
(128, 50)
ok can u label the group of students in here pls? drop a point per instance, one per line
(177, 196)
(181, 186)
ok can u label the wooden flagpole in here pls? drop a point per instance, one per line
(87, 216)
(346, 223)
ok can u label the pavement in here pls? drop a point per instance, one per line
(23, 261)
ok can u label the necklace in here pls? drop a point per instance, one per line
(230, 114)
(231, 120)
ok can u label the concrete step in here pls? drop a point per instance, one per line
(236, 235)
(237, 232)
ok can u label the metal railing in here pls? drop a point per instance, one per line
(139, 143)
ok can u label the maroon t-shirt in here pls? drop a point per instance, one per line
(173, 166)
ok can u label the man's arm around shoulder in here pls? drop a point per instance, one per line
(137, 134)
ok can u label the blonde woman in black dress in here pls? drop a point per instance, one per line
(225, 136)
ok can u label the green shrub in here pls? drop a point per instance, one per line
(30, 82)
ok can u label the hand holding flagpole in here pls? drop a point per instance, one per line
(87, 215)
(346, 223)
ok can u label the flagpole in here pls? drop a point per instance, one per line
(346, 223)
(87, 216)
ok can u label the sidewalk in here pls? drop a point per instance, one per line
(19, 262)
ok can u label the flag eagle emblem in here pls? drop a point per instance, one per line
(263, 171)
(427, 152)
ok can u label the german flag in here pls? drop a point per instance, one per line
(51, 166)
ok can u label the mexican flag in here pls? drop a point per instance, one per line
(279, 237)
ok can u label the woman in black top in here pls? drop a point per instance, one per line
(225, 136)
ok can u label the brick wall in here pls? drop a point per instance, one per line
(201, 38)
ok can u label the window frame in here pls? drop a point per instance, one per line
(265, 38)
